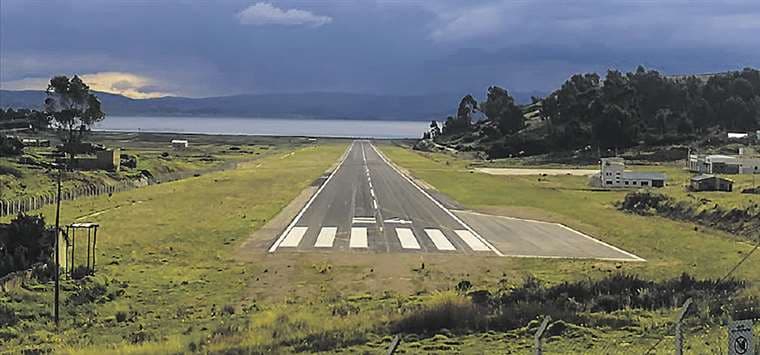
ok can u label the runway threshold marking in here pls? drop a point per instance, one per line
(326, 237)
(474, 243)
(451, 214)
(358, 238)
(440, 240)
(294, 237)
(295, 220)
(407, 239)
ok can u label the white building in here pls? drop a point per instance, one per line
(723, 164)
(180, 143)
(612, 174)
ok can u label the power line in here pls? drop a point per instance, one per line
(757, 246)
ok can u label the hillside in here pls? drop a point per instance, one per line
(618, 111)
(317, 105)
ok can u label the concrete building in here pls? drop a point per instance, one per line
(108, 159)
(723, 164)
(612, 174)
(708, 182)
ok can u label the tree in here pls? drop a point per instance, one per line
(435, 130)
(500, 108)
(463, 120)
(73, 109)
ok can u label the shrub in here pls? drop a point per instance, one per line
(228, 309)
(24, 242)
(90, 290)
(463, 286)
(10, 146)
(121, 316)
(81, 272)
(7, 316)
(447, 311)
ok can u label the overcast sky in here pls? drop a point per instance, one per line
(145, 48)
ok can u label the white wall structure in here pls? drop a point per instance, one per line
(612, 174)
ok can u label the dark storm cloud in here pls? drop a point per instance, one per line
(214, 48)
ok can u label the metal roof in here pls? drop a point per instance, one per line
(702, 177)
(644, 176)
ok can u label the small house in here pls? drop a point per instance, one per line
(709, 182)
(180, 144)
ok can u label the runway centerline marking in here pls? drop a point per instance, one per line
(358, 238)
(363, 220)
(407, 239)
(451, 214)
(326, 237)
(440, 240)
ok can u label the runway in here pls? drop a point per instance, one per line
(366, 205)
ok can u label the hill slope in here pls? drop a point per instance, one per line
(332, 105)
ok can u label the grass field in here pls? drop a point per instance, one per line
(170, 256)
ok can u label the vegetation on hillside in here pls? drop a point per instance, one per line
(618, 111)
(24, 242)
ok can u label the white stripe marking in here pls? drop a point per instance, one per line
(407, 239)
(294, 237)
(451, 214)
(439, 239)
(305, 207)
(361, 220)
(473, 242)
(358, 238)
(326, 237)
(374, 204)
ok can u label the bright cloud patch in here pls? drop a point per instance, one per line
(127, 84)
(263, 13)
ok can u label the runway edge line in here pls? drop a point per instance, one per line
(451, 214)
(295, 220)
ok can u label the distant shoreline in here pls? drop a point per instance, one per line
(269, 127)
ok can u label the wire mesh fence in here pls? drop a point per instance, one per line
(14, 206)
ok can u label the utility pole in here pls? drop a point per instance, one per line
(57, 239)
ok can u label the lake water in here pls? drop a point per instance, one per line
(266, 126)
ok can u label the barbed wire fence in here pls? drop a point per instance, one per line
(23, 204)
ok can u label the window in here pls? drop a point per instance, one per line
(626, 182)
(609, 182)
(645, 183)
(633, 182)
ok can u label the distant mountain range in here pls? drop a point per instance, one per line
(302, 105)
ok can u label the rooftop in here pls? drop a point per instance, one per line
(644, 176)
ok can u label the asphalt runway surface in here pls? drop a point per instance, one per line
(366, 205)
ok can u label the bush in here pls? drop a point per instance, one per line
(24, 242)
(10, 146)
(121, 316)
(81, 272)
(7, 316)
(448, 311)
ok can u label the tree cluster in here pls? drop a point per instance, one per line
(618, 111)
(39, 121)
(24, 242)
(624, 109)
(503, 115)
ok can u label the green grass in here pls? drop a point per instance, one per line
(173, 245)
(670, 247)
(176, 244)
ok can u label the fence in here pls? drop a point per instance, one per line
(32, 202)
